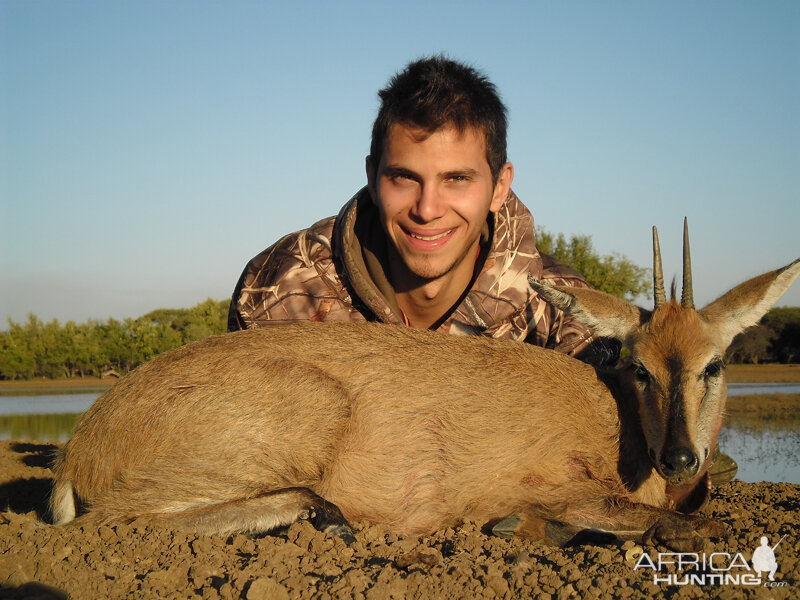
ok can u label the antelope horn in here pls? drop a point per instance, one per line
(659, 294)
(687, 296)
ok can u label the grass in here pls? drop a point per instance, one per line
(764, 373)
(76, 385)
(764, 411)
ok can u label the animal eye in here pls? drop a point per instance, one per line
(713, 369)
(641, 374)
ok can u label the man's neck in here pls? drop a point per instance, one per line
(426, 301)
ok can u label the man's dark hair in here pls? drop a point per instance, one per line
(433, 92)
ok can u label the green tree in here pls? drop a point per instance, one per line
(784, 321)
(175, 318)
(206, 319)
(37, 349)
(17, 360)
(750, 346)
(775, 339)
(147, 340)
(116, 347)
(612, 273)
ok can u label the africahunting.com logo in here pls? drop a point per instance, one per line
(717, 568)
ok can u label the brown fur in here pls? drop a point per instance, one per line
(414, 429)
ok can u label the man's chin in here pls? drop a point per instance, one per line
(428, 272)
(431, 270)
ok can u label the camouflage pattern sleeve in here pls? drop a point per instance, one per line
(294, 279)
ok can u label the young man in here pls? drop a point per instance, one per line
(436, 239)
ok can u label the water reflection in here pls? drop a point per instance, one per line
(742, 389)
(42, 428)
(43, 404)
(43, 417)
(766, 454)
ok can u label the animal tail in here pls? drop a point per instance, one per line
(62, 502)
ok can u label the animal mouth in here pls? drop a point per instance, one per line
(672, 479)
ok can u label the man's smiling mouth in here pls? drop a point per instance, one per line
(429, 238)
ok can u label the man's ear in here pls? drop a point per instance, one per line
(502, 187)
(372, 180)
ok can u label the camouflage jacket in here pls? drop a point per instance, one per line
(332, 272)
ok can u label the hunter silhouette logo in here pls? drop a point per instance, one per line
(764, 558)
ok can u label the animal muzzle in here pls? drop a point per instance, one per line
(678, 464)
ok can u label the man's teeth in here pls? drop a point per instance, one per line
(430, 238)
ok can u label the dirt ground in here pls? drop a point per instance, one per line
(38, 560)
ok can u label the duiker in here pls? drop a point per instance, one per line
(418, 430)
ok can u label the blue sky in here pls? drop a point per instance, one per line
(149, 149)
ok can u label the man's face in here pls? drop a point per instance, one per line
(433, 194)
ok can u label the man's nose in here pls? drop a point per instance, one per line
(429, 206)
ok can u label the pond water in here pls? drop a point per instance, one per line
(47, 404)
(764, 454)
(742, 389)
(765, 451)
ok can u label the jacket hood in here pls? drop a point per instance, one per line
(498, 293)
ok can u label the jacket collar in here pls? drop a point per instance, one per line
(499, 291)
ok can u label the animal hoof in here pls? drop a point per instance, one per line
(507, 528)
(343, 532)
(710, 528)
(675, 534)
(328, 518)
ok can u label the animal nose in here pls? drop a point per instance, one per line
(679, 461)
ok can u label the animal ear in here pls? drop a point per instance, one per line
(745, 304)
(604, 314)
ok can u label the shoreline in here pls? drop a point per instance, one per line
(772, 373)
(56, 386)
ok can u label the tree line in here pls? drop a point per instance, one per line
(776, 339)
(35, 349)
(613, 273)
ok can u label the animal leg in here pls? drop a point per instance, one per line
(683, 533)
(638, 522)
(529, 525)
(260, 514)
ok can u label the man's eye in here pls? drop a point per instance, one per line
(400, 178)
(459, 178)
